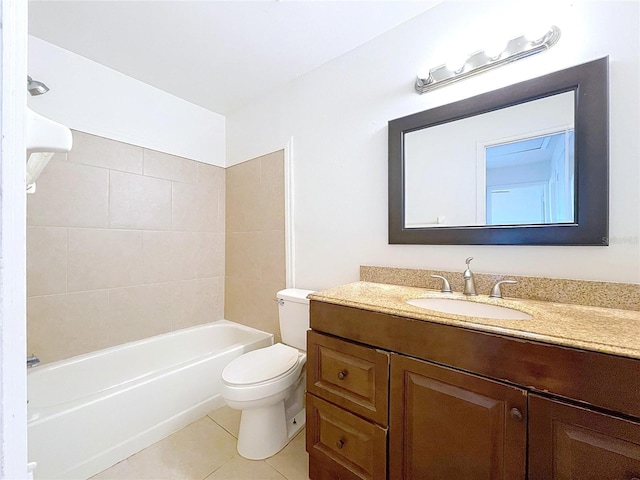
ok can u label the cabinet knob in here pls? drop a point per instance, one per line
(516, 414)
(340, 443)
(342, 374)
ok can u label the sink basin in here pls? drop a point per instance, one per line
(468, 309)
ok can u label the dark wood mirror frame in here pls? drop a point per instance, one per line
(590, 82)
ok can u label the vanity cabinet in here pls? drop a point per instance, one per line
(567, 442)
(398, 398)
(347, 409)
(448, 424)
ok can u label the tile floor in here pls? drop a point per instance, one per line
(206, 450)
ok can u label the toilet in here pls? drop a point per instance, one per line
(268, 384)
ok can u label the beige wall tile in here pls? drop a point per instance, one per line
(221, 297)
(235, 300)
(122, 244)
(244, 173)
(70, 195)
(210, 254)
(62, 326)
(141, 311)
(103, 258)
(196, 302)
(254, 206)
(255, 258)
(272, 256)
(235, 210)
(170, 167)
(103, 152)
(273, 205)
(46, 260)
(262, 310)
(170, 256)
(139, 202)
(272, 165)
(222, 211)
(243, 255)
(195, 208)
(211, 176)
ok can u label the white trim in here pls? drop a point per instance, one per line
(289, 231)
(13, 389)
(481, 183)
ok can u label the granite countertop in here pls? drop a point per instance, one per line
(604, 330)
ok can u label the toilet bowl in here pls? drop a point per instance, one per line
(268, 384)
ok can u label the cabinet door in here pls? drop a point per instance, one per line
(446, 424)
(571, 443)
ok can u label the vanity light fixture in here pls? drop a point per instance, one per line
(517, 48)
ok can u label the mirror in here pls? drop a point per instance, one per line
(526, 164)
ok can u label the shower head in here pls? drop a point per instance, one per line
(35, 87)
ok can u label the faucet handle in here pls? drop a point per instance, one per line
(468, 261)
(496, 292)
(446, 288)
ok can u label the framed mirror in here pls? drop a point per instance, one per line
(524, 165)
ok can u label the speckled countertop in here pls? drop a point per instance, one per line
(605, 330)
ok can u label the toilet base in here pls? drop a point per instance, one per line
(265, 431)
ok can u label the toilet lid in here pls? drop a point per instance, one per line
(260, 365)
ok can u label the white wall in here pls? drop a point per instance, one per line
(92, 98)
(338, 116)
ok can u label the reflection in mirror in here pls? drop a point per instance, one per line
(530, 181)
(511, 166)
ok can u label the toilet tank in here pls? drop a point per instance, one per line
(293, 311)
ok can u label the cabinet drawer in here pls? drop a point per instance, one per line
(343, 443)
(349, 375)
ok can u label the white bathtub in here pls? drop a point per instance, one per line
(94, 410)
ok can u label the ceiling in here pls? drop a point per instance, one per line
(221, 55)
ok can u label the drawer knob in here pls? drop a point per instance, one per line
(516, 414)
(340, 443)
(342, 374)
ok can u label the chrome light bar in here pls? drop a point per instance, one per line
(517, 48)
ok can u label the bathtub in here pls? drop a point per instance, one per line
(94, 410)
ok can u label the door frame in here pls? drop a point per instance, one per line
(13, 379)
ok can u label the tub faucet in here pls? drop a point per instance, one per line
(32, 361)
(469, 282)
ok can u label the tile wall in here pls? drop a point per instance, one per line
(123, 243)
(255, 241)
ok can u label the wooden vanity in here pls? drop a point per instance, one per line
(391, 396)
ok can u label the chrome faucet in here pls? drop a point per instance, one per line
(496, 292)
(446, 288)
(32, 361)
(469, 282)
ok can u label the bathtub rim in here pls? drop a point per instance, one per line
(39, 412)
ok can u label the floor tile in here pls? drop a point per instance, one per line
(120, 471)
(207, 449)
(242, 469)
(228, 418)
(191, 453)
(292, 461)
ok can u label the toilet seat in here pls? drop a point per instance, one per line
(260, 366)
